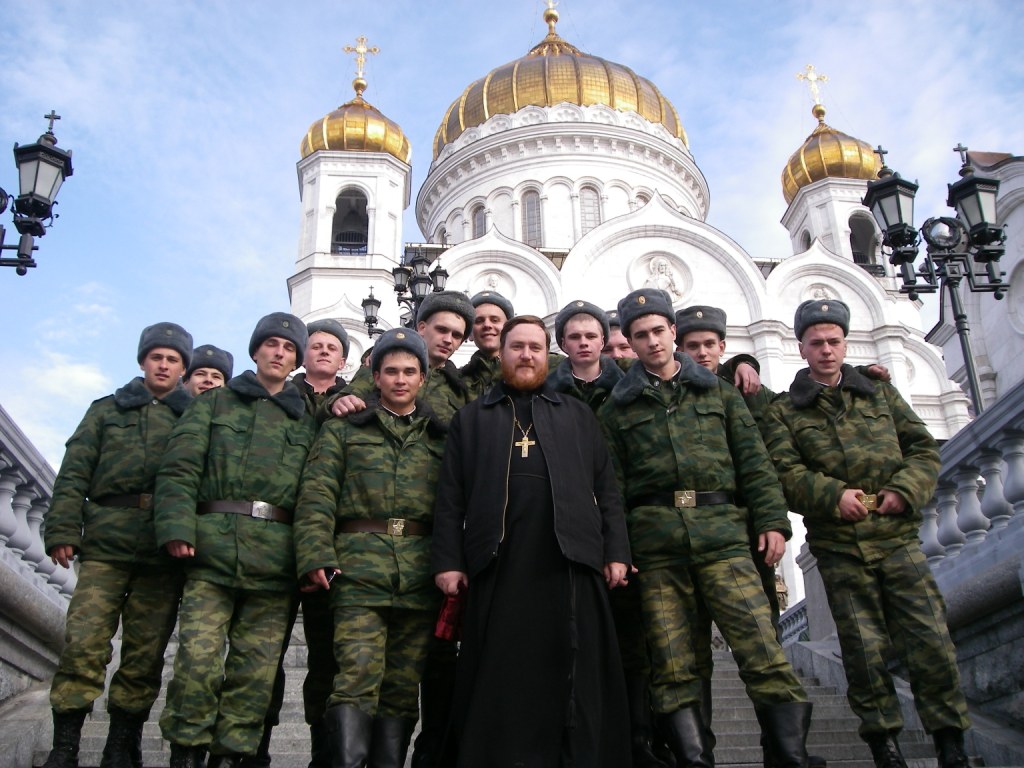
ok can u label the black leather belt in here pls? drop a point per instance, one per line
(134, 500)
(682, 499)
(262, 510)
(395, 526)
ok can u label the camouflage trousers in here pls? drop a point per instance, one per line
(893, 604)
(215, 700)
(381, 652)
(734, 595)
(144, 599)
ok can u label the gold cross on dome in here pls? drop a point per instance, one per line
(360, 49)
(813, 78)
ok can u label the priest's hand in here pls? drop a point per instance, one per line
(451, 582)
(615, 575)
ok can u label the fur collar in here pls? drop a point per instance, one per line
(435, 426)
(562, 380)
(135, 395)
(804, 389)
(636, 379)
(289, 399)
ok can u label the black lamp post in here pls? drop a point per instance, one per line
(42, 169)
(414, 280)
(967, 246)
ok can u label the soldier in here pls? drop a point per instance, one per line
(102, 513)
(617, 346)
(484, 368)
(365, 513)
(859, 465)
(686, 448)
(325, 357)
(226, 492)
(210, 368)
(581, 330)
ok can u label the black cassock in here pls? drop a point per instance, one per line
(539, 682)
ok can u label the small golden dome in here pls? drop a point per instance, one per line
(555, 71)
(357, 126)
(828, 153)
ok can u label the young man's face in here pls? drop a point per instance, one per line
(524, 357)
(203, 379)
(444, 333)
(487, 325)
(704, 348)
(618, 345)
(275, 358)
(399, 379)
(162, 367)
(653, 339)
(582, 339)
(324, 355)
(824, 348)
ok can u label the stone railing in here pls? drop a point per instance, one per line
(34, 592)
(793, 623)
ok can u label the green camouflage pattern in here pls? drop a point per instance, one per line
(219, 702)
(233, 445)
(116, 450)
(145, 603)
(862, 434)
(735, 597)
(381, 653)
(444, 391)
(480, 374)
(314, 400)
(894, 603)
(372, 465)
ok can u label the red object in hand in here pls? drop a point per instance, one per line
(449, 620)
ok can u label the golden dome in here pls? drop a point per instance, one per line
(553, 72)
(357, 126)
(828, 153)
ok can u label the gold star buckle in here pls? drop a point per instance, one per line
(686, 499)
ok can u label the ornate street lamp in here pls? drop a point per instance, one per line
(42, 169)
(371, 305)
(967, 246)
(414, 280)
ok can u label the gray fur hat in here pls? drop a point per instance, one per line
(645, 301)
(402, 339)
(699, 318)
(613, 318)
(447, 301)
(170, 335)
(285, 326)
(495, 298)
(209, 356)
(816, 311)
(333, 327)
(580, 307)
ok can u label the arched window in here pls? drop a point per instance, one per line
(642, 199)
(351, 226)
(441, 238)
(805, 240)
(532, 234)
(862, 240)
(590, 209)
(479, 221)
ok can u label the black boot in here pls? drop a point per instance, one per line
(684, 731)
(390, 741)
(435, 746)
(67, 734)
(639, 699)
(186, 757)
(319, 752)
(226, 761)
(784, 733)
(262, 757)
(949, 746)
(124, 739)
(885, 751)
(348, 735)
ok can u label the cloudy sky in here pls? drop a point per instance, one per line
(185, 120)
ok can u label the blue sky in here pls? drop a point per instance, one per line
(185, 120)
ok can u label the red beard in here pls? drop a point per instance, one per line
(523, 378)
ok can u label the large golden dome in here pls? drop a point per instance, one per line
(553, 72)
(828, 153)
(357, 126)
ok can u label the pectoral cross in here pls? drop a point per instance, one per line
(525, 444)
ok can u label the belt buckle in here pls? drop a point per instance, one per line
(869, 500)
(396, 526)
(145, 501)
(263, 510)
(686, 499)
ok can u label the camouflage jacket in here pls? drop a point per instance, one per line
(861, 434)
(315, 399)
(236, 443)
(691, 433)
(444, 390)
(116, 450)
(757, 403)
(372, 465)
(480, 373)
(593, 393)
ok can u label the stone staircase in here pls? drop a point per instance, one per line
(833, 731)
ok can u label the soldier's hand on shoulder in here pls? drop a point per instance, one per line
(347, 404)
(62, 554)
(180, 548)
(746, 379)
(850, 507)
(880, 372)
(891, 502)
